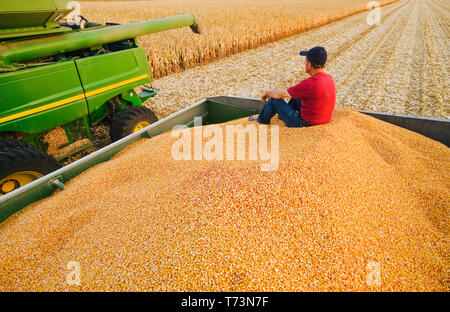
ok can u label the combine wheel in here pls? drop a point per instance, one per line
(131, 120)
(9, 144)
(22, 165)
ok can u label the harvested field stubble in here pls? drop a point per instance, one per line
(347, 194)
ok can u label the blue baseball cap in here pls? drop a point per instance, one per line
(317, 55)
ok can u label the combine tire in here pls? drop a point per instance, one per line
(131, 120)
(22, 165)
(10, 143)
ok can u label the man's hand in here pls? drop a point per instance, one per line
(275, 94)
(265, 96)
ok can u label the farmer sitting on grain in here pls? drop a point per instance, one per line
(312, 100)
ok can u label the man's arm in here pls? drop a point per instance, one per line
(275, 93)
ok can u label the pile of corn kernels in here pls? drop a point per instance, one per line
(355, 205)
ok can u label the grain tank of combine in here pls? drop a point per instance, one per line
(66, 77)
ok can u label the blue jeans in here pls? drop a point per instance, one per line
(288, 112)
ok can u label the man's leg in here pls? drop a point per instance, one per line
(268, 111)
(294, 104)
(299, 104)
(303, 123)
(290, 116)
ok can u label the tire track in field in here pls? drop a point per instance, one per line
(435, 78)
(356, 39)
(370, 64)
(438, 47)
(428, 70)
(416, 70)
(385, 67)
(441, 18)
(376, 92)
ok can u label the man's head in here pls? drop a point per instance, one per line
(315, 60)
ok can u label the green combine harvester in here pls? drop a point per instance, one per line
(70, 75)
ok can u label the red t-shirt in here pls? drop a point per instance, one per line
(318, 96)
